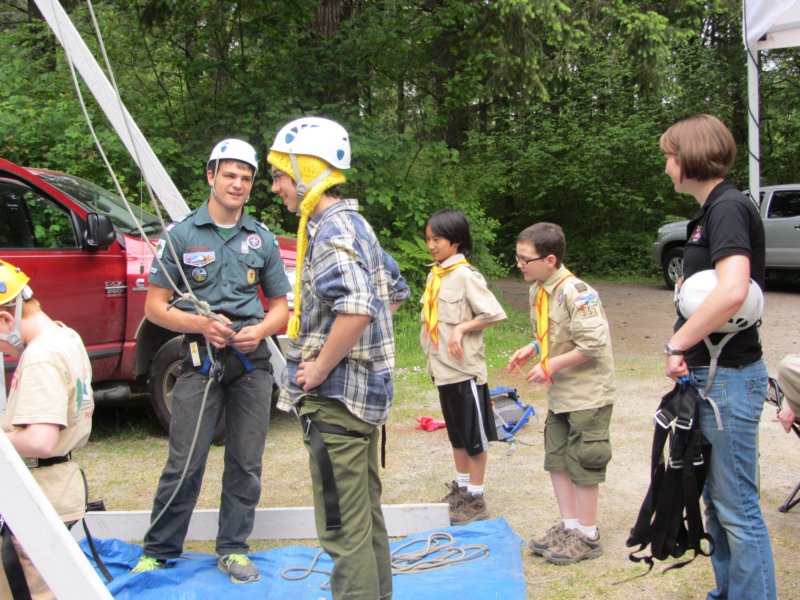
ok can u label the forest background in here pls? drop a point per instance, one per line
(513, 111)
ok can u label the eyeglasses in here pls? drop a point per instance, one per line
(277, 175)
(527, 261)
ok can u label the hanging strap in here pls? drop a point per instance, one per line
(12, 566)
(330, 493)
(714, 351)
(89, 540)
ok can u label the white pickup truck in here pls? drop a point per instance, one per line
(779, 206)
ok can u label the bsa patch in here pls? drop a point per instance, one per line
(254, 241)
(199, 258)
(199, 274)
(160, 247)
(251, 276)
(697, 234)
(560, 298)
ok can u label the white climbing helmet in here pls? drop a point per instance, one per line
(695, 289)
(315, 136)
(234, 149)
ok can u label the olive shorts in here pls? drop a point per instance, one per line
(578, 442)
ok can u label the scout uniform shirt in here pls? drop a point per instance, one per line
(224, 272)
(463, 296)
(52, 384)
(577, 321)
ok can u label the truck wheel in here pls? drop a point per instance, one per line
(164, 371)
(672, 266)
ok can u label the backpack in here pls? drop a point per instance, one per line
(669, 520)
(510, 415)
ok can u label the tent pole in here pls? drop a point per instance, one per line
(753, 124)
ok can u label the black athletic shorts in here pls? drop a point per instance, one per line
(467, 410)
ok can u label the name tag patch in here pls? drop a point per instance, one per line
(199, 258)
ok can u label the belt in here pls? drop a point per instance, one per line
(34, 463)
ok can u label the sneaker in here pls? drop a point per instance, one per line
(147, 563)
(574, 547)
(455, 494)
(239, 567)
(472, 508)
(550, 539)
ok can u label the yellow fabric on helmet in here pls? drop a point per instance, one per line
(13, 282)
(310, 167)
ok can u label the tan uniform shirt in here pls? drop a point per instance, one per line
(52, 384)
(577, 321)
(463, 296)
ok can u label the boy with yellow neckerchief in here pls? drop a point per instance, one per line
(341, 353)
(576, 363)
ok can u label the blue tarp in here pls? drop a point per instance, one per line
(195, 576)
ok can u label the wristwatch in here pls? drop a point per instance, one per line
(670, 351)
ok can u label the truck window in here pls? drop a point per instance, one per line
(784, 204)
(28, 220)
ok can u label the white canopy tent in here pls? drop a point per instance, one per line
(768, 24)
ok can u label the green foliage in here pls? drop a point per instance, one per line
(511, 111)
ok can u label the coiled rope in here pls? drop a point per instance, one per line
(439, 551)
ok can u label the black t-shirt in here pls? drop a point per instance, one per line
(728, 224)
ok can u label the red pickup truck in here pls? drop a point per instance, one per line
(89, 268)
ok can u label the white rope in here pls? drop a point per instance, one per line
(439, 551)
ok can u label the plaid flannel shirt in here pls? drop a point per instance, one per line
(347, 272)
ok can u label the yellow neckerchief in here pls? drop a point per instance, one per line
(430, 299)
(543, 324)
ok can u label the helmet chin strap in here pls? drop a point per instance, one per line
(15, 337)
(303, 187)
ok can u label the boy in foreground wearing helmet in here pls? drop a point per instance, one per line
(226, 257)
(341, 355)
(573, 342)
(50, 406)
(725, 237)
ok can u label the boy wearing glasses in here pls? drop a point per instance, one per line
(572, 340)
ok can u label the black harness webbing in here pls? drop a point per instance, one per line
(330, 494)
(89, 540)
(12, 567)
(669, 519)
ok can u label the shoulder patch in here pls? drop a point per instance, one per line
(580, 286)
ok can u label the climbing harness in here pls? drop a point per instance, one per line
(669, 520)
(439, 551)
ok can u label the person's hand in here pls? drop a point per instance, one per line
(217, 332)
(520, 357)
(309, 375)
(787, 418)
(454, 347)
(676, 367)
(247, 339)
(537, 375)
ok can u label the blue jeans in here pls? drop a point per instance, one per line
(742, 559)
(247, 402)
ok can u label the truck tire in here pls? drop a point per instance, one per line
(672, 266)
(164, 371)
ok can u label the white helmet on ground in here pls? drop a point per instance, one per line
(234, 149)
(315, 136)
(695, 289)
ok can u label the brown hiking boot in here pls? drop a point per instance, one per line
(455, 494)
(574, 547)
(472, 508)
(549, 540)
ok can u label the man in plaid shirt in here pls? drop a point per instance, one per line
(339, 363)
